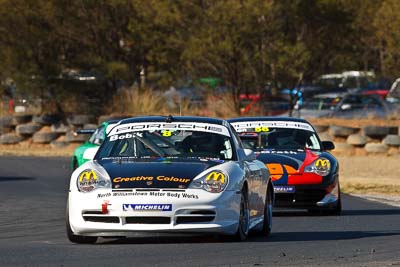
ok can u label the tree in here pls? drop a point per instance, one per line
(387, 23)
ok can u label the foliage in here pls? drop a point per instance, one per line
(248, 44)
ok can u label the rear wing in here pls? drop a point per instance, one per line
(85, 131)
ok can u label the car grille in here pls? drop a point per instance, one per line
(302, 198)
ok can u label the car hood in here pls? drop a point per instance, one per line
(287, 166)
(163, 173)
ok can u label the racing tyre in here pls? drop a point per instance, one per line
(267, 224)
(77, 238)
(244, 218)
(330, 212)
(337, 210)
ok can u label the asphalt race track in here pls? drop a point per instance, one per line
(33, 194)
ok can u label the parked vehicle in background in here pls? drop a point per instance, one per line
(347, 81)
(348, 106)
(318, 106)
(394, 93)
(267, 105)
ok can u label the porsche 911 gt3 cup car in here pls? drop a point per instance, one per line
(304, 173)
(169, 174)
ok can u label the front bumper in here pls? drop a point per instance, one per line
(127, 212)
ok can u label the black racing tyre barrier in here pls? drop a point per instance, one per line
(6, 121)
(376, 148)
(21, 119)
(70, 137)
(27, 129)
(11, 138)
(325, 136)
(380, 132)
(342, 131)
(44, 137)
(89, 126)
(79, 120)
(343, 147)
(392, 140)
(6, 129)
(58, 144)
(357, 140)
(46, 119)
(321, 128)
(60, 128)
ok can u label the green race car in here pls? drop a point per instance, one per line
(96, 139)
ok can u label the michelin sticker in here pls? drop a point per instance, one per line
(147, 207)
(284, 189)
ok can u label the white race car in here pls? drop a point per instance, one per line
(169, 175)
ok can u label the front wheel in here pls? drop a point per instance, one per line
(336, 210)
(267, 223)
(244, 218)
(77, 238)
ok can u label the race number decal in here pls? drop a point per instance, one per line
(167, 133)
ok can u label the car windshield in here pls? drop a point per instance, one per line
(180, 140)
(277, 136)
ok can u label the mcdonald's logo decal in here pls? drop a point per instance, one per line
(322, 163)
(87, 175)
(216, 176)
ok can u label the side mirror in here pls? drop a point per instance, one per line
(90, 153)
(328, 145)
(249, 154)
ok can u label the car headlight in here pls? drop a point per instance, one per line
(321, 166)
(213, 182)
(89, 180)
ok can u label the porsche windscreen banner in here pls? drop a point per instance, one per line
(156, 126)
(262, 126)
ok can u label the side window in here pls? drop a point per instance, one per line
(97, 137)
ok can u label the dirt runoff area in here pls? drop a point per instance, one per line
(372, 174)
(375, 177)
